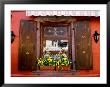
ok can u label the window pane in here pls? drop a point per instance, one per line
(55, 31)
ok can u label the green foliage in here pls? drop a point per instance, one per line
(63, 62)
(47, 60)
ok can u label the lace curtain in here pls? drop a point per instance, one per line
(63, 12)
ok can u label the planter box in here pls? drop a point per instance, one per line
(45, 68)
(63, 68)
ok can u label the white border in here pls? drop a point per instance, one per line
(55, 80)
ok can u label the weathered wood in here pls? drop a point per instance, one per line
(27, 45)
(83, 46)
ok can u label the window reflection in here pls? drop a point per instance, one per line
(55, 39)
(55, 45)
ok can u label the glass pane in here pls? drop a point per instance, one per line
(55, 31)
(55, 45)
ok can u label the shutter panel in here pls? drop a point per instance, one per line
(83, 46)
(27, 45)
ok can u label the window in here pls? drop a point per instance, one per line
(55, 38)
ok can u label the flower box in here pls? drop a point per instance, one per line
(63, 68)
(45, 68)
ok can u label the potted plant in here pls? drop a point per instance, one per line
(46, 63)
(63, 63)
(49, 63)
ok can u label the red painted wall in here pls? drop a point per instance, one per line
(95, 25)
(15, 23)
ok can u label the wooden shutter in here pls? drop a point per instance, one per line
(83, 46)
(27, 45)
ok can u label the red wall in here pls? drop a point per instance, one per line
(95, 25)
(15, 23)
